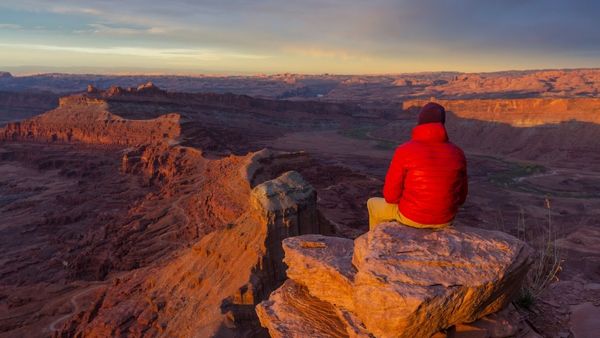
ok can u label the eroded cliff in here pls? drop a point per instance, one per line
(524, 112)
(86, 120)
(192, 256)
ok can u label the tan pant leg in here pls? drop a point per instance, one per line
(406, 221)
(380, 211)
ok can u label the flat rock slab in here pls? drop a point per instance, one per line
(585, 320)
(585, 240)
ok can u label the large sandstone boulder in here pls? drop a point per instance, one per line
(324, 265)
(402, 281)
(413, 282)
(292, 311)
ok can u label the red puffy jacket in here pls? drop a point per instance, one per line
(427, 177)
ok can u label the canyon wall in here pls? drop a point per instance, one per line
(197, 252)
(528, 112)
(212, 287)
(87, 120)
(554, 131)
(150, 92)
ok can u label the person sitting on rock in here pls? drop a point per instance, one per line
(427, 178)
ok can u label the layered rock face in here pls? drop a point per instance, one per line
(288, 207)
(394, 281)
(83, 120)
(527, 112)
(191, 255)
(221, 124)
(151, 92)
(550, 130)
(212, 287)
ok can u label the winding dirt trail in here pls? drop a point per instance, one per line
(544, 174)
(75, 304)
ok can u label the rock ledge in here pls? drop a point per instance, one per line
(394, 281)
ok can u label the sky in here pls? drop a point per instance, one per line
(302, 36)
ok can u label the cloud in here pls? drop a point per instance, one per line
(104, 29)
(10, 26)
(317, 52)
(433, 31)
(377, 26)
(163, 53)
(75, 10)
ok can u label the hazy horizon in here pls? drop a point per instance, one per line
(42, 70)
(312, 37)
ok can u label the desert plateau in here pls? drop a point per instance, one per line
(142, 211)
(299, 169)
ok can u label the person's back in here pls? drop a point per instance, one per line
(427, 178)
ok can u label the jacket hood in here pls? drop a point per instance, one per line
(430, 132)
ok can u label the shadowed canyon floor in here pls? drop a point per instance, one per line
(138, 211)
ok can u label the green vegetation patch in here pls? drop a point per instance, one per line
(386, 145)
(510, 176)
(360, 133)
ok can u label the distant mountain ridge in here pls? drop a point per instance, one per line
(365, 88)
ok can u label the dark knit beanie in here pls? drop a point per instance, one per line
(431, 113)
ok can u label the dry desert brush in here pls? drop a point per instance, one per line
(547, 259)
